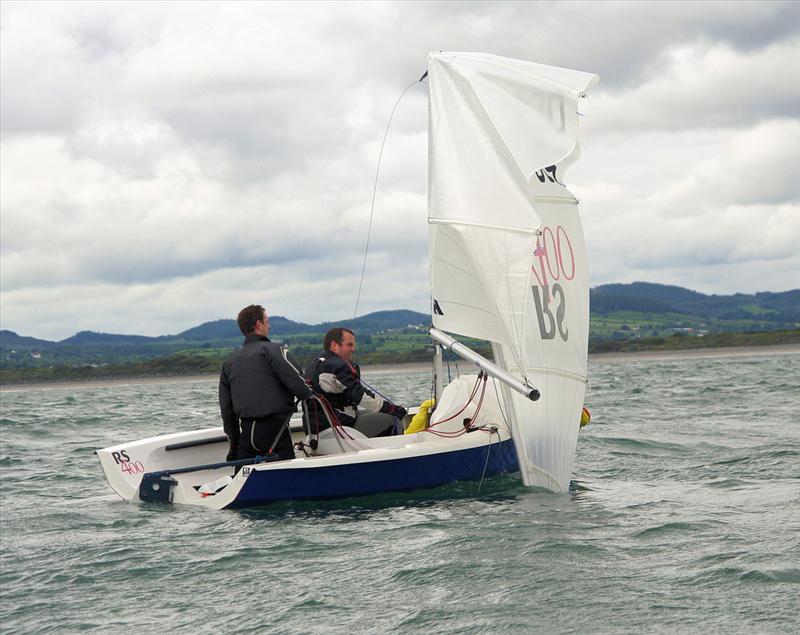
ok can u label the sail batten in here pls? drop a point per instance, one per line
(567, 200)
(508, 259)
(449, 221)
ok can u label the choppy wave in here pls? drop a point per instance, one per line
(683, 518)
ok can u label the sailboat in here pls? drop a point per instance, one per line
(507, 265)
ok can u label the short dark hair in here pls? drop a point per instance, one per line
(248, 317)
(336, 334)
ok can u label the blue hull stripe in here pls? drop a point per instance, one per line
(356, 479)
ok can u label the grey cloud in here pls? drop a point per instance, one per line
(759, 167)
(308, 294)
(701, 87)
(680, 204)
(238, 88)
(182, 158)
(617, 40)
(178, 221)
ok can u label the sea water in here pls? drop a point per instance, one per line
(685, 519)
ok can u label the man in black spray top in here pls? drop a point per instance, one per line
(257, 390)
(334, 376)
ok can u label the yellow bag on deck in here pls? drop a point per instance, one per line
(420, 420)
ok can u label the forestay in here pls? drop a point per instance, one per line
(508, 259)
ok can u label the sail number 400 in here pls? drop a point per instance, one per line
(555, 256)
(556, 261)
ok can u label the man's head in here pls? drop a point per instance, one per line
(253, 319)
(341, 341)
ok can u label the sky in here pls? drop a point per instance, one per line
(165, 164)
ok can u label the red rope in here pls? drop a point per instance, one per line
(469, 400)
(457, 433)
(337, 426)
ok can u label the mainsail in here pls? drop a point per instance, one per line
(508, 258)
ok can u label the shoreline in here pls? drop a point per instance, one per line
(722, 351)
(419, 367)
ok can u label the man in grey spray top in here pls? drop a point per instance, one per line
(258, 388)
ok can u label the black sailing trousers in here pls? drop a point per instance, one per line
(258, 435)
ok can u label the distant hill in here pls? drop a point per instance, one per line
(380, 321)
(643, 310)
(209, 330)
(279, 326)
(662, 293)
(226, 329)
(647, 297)
(10, 338)
(92, 338)
(603, 303)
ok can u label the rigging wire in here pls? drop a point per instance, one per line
(488, 452)
(375, 189)
(500, 406)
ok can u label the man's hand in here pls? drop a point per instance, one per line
(399, 412)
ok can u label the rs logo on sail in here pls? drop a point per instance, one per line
(556, 261)
(547, 323)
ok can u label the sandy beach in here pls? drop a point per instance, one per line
(379, 369)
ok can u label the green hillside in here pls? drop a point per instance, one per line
(642, 309)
